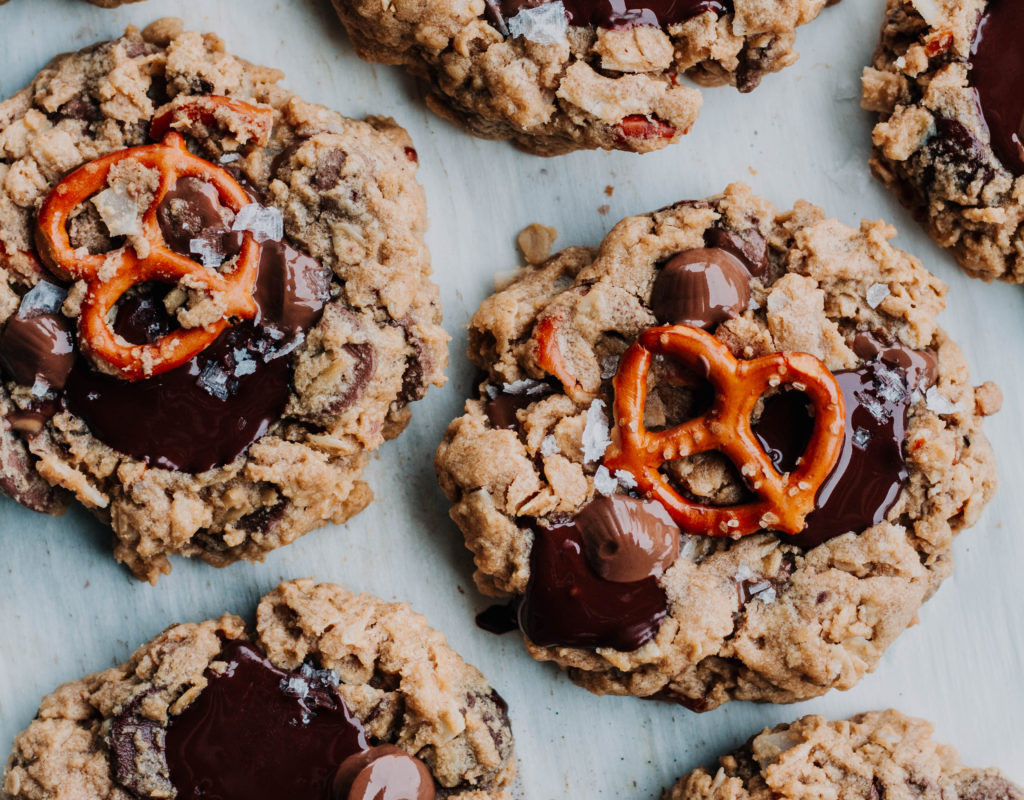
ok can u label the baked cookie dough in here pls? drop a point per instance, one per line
(875, 755)
(948, 82)
(603, 580)
(263, 434)
(571, 74)
(328, 682)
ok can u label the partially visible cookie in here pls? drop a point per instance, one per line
(590, 480)
(877, 755)
(260, 431)
(947, 82)
(570, 74)
(328, 681)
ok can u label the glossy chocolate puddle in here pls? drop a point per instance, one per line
(997, 74)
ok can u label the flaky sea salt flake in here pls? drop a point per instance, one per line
(265, 223)
(876, 293)
(119, 211)
(544, 24)
(938, 403)
(625, 478)
(595, 433)
(43, 298)
(549, 446)
(604, 482)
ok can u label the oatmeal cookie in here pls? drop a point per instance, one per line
(589, 480)
(565, 75)
(214, 299)
(874, 755)
(947, 84)
(332, 682)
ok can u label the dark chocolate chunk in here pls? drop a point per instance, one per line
(191, 210)
(567, 605)
(138, 752)
(701, 288)
(748, 246)
(920, 366)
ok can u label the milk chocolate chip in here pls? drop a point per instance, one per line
(38, 344)
(701, 288)
(626, 539)
(384, 771)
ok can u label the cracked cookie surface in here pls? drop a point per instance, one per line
(762, 617)
(350, 220)
(935, 145)
(874, 755)
(108, 735)
(518, 70)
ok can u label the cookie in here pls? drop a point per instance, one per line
(946, 83)
(333, 683)
(565, 75)
(214, 299)
(874, 755)
(589, 474)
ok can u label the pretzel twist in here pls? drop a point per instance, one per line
(108, 276)
(785, 500)
(257, 121)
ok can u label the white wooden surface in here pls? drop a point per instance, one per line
(67, 609)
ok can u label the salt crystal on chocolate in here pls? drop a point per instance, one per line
(265, 223)
(43, 298)
(604, 481)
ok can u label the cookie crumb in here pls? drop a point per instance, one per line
(535, 242)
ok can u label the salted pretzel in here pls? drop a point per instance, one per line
(258, 120)
(108, 276)
(784, 500)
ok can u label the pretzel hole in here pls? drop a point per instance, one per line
(86, 229)
(709, 478)
(675, 394)
(783, 423)
(141, 316)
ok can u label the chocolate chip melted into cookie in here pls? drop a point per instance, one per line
(207, 412)
(871, 470)
(257, 731)
(502, 404)
(701, 288)
(620, 13)
(997, 73)
(566, 604)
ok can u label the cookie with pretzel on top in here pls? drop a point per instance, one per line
(215, 299)
(724, 455)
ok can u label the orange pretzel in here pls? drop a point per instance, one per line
(204, 109)
(108, 276)
(785, 499)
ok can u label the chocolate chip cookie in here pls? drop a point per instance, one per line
(948, 82)
(722, 456)
(875, 755)
(214, 299)
(331, 687)
(561, 75)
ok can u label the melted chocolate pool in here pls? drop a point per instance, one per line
(997, 73)
(566, 604)
(260, 733)
(871, 470)
(207, 412)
